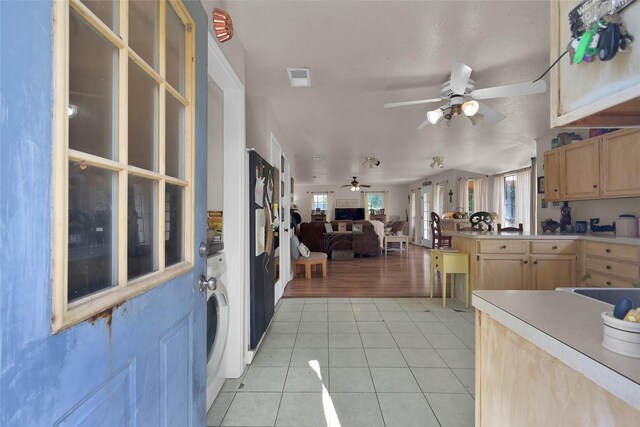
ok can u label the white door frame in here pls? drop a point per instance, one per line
(427, 189)
(286, 263)
(234, 205)
(276, 160)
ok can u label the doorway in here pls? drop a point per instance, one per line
(282, 179)
(427, 207)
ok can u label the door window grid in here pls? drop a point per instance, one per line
(65, 311)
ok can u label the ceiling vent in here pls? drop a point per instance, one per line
(299, 77)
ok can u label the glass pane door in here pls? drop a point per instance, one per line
(427, 208)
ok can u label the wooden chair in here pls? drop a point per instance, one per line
(519, 228)
(436, 233)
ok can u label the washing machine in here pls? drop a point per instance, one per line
(217, 326)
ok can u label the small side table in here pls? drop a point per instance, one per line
(449, 263)
(403, 240)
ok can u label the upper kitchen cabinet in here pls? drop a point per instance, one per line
(596, 94)
(620, 164)
(552, 175)
(603, 167)
(579, 169)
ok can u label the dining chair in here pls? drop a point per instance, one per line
(437, 239)
(519, 228)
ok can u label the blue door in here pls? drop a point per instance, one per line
(142, 363)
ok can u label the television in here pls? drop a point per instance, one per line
(354, 214)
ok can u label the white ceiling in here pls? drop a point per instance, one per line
(363, 54)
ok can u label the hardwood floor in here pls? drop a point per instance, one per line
(390, 276)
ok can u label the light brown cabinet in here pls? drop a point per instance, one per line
(597, 168)
(580, 171)
(611, 265)
(552, 175)
(501, 272)
(620, 160)
(552, 271)
(596, 94)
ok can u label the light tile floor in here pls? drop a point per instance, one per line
(357, 362)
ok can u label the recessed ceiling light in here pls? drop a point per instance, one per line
(299, 77)
(318, 157)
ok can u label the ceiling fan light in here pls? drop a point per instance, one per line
(353, 188)
(357, 189)
(434, 116)
(470, 108)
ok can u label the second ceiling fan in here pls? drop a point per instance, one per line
(460, 87)
(355, 185)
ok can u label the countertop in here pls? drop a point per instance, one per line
(603, 237)
(569, 327)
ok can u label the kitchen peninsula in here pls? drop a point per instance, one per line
(540, 362)
(522, 261)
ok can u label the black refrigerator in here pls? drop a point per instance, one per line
(261, 247)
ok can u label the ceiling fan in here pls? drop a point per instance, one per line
(459, 88)
(355, 185)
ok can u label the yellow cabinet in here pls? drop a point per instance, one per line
(500, 272)
(620, 164)
(552, 271)
(552, 175)
(580, 171)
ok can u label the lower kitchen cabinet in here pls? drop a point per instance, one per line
(552, 271)
(501, 272)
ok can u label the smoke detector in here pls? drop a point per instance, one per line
(438, 162)
(371, 162)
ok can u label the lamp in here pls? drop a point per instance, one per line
(470, 108)
(72, 110)
(438, 162)
(222, 25)
(434, 116)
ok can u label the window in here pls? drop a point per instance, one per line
(320, 201)
(123, 149)
(509, 201)
(470, 200)
(439, 198)
(375, 201)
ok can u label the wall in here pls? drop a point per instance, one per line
(396, 198)
(607, 210)
(215, 143)
(451, 178)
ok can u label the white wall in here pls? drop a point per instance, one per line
(215, 150)
(451, 178)
(397, 200)
(607, 210)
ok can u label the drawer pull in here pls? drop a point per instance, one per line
(607, 250)
(535, 262)
(595, 186)
(608, 267)
(526, 262)
(608, 283)
(556, 190)
(554, 247)
(503, 247)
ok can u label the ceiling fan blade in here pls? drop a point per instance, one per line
(423, 124)
(487, 115)
(365, 186)
(518, 89)
(407, 103)
(344, 186)
(460, 74)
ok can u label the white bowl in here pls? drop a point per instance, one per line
(620, 336)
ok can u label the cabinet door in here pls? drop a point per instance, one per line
(499, 272)
(620, 164)
(552, 271)
(580, 171)
(551, 175)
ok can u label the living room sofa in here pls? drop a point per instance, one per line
(312, 235)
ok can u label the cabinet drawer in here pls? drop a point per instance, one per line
(630, 271)
(603, 281)
(503, 246)
(564, 247)
(612, 250)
